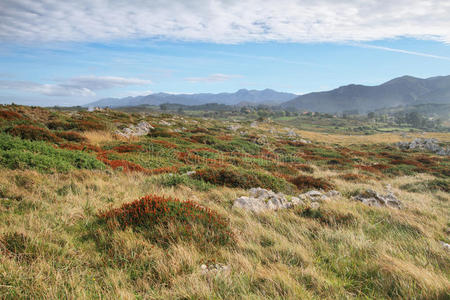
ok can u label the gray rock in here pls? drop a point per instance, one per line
(431, 145)
(261, 199)
(143, 128)
(372, 198)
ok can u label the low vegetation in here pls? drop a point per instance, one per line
(71, 227)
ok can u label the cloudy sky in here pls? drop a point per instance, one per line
(58, 53)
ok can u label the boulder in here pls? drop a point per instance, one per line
(260, 199)
(372, 198)
(423, 144)
(142, 128)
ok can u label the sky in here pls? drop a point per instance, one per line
(58, 53)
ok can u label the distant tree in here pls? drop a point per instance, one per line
(371, 115)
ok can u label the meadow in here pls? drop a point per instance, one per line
(87, 212)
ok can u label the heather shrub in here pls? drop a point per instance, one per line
(238, 178)
(427, 186)
(128, 148)
(30, 132)
(16, 153)
(9, 115)
(303, 182)
(71, 136)
(166, 220)
(177, 179)
(160, 132)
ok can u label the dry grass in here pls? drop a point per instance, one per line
(98, 138)
(276, 255)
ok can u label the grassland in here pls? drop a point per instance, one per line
(64, 232)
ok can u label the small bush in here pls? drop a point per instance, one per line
(18, 245)
(326, 217)
(128, 148)
(303, 182)
(238, 178)
(9, 115)
(16, 153)
(427, 186)
(176, 179)
(30, 132)
(71, 136)
(188, 220)
(160, 132)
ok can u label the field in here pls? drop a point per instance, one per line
(86, 212)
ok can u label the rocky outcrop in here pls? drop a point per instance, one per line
(372, 198)
(140, 129)
(260, 199)
(431, 145)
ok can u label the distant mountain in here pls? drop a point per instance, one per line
(255, 97)
(406, 90)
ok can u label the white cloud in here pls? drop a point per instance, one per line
(403, 51)
(224, 21)
(212, 78)
(78, 86)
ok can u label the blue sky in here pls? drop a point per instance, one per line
(56, 61)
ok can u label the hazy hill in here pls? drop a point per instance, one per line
(406, 90)
(266, 96)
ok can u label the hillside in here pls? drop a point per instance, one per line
(254, 97)
(404, 90)
(108, 204)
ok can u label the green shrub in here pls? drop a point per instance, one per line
(16, 153)
(238, 178)
(427, 186)
(177, 179)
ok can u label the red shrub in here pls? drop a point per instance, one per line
(128, 166)
(34, 133)
(128, 148)
(71, 136)
(151, 211)
(10, 115)
(405, 162)
(84, 125)
(303, 182)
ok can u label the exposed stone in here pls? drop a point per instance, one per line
(260, 199)
(423, 144)
(140, 129)
(372, 198)
(314, 195)
(315, 205)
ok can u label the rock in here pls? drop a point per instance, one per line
(315, 205)
(203, 267)
(445, 246)
(142, 128)
(314, 195)
(431, 145)
(189, 173)
(372, 198)
(260, 199)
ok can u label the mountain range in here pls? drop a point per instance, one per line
(241, 97)
(406, 90)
